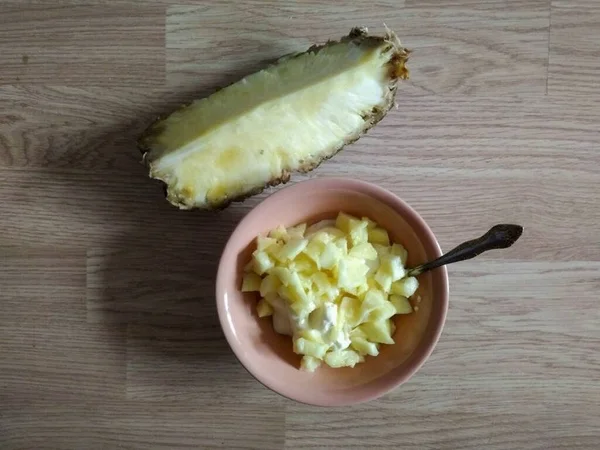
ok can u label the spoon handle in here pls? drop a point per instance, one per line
(499, 236)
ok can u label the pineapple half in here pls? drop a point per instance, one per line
(286, 118)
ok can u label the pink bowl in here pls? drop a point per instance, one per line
(268, 356)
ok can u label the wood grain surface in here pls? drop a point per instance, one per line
(108, 330)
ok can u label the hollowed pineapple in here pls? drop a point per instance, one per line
(286, 118)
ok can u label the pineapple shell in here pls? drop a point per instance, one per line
(288, 117)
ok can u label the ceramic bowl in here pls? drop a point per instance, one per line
(268, 356)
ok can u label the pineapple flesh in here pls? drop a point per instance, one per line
(286, 118)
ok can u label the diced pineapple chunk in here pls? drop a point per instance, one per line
(352, 272)
(384, 279)
(358, 333)
(405, 287)
(364, 347)
(312, 335)
(251, 282)
(373, 299)
(297, 232)
(401, 304)
(263, 242)
(381, 250)
(269, 285)
(379, 236)
(292, 249)
(313, 250)
(303, 264)
(331, 256)
(342, 358)
(279, 233)
(343, 221)
(400, 251)
(263, 308)
(392, 265)
(305, 347)
(303, 308)
(380, 331)
(383, 311)
(309, 363)
(296, 288)
(349, 311)
(262, 262)
(370, 224)
(358, 233)
(364, 251)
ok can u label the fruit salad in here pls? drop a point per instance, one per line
(333, 287)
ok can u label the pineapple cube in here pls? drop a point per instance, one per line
(379, 236)
(358, 232)
(352, 273)
(349, 311)
(342, 358)
(380, 331)
(263, 308)
(251, 282)
(263, 242)
(384, 279)
(269, 285)
(401, 304)
(330, 257)
(382, 250)
(399, 250)
(373, 299)
(364, 347)
(327, 234)
(370, 224)
(279, 233)
(292, 249)
(357, 333)
(312, 335)
(262, 262)
(392, 265)
(309, 363)
(364, 251)
(405, 287)
(303, 308)
(359, 291)
(383, 311)
(305, 347)
(343, 221)
(297, 232)
(298, 294)
(303, 264)
(313, 250)
(321, 282)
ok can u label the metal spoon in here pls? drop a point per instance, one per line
(499, 236)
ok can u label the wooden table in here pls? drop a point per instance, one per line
(108, 330)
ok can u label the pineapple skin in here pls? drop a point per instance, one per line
(358, 35)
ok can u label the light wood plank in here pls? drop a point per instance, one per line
(59, 361)
(574, 66)
(129, 426)
(82, 44)
(476, 47)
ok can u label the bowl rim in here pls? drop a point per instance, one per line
(395, 202)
